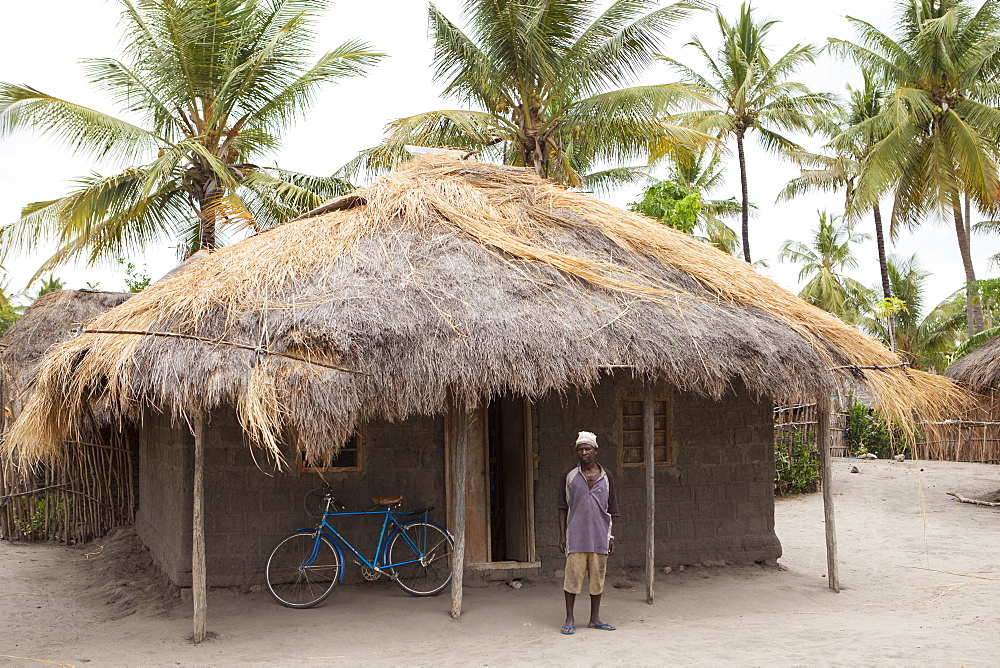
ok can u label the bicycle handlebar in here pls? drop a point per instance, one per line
(330, 499)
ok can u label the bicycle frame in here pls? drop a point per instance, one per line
(378, 561)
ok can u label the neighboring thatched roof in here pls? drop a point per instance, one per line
(50, 320)
(980, 369)
(450, 277)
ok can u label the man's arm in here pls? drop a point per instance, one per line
(613, 511)
(563, 504)
(562, 529)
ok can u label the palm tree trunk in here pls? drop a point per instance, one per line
(974, 311)
(746, 204)
(208, 205)
(883, 264)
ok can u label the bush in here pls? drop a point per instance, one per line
(43, 513)
(869, 432)
(796, 466)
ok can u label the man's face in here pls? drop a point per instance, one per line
(586, 453)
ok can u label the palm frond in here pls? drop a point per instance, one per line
(83, 130)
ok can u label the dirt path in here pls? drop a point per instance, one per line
(921, 578)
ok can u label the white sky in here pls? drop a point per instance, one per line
(350, 116)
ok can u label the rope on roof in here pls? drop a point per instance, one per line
(257, 349)
(859, 370)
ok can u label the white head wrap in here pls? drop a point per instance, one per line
(586, 437)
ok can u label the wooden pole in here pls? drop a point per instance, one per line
(647, 434)
(199, 583)
(823, 442)
(459, 477)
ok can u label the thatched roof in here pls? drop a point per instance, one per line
(50, 320)
(980, 369)
(449, 278)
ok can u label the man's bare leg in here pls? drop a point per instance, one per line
(570, 601)
(595, 610)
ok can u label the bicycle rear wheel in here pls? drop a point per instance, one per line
(426, 570)
(301, 571)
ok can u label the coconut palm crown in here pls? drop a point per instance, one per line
(938, 125)
(540, 84)
(211, 86)
(751, 92)
(841, 165)
(925, 339)
(823, 262)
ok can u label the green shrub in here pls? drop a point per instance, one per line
(868, 431)
(796, 466)
(34, 526)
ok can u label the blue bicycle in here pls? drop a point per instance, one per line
(414, 553)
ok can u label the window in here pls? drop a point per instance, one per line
(631, 453)
(349, 458)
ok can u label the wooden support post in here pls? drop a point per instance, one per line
(459, 478)
(647, 435)
(199, 586)
(823, 442)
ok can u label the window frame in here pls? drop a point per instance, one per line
(668, 431)
(359, 442)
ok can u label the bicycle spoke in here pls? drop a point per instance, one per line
(434, 574)
(302, 572)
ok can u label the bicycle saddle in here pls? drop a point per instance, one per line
(387, 500)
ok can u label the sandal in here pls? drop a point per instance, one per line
(602, 626)
(568, 630)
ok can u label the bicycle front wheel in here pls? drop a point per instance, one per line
(302, 570)
(419, 555)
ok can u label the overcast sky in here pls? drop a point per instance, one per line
(350, 116)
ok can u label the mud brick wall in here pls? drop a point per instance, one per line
(163, 520)
(249, 506)
(715, 501)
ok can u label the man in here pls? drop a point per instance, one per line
(587, 502)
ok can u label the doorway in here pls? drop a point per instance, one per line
(499, 498)
(509, 481)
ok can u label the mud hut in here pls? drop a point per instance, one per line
(92, 490)
(456, 317)
(980, 369)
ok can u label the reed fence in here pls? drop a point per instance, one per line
(86, 494)
(972, 437)
(798, 423)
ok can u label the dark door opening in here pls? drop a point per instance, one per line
(509, 482)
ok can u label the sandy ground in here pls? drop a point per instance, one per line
(920, 573)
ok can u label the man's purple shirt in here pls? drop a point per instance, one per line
(588, 524)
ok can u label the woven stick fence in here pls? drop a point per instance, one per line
(86, 494)
(798, 422)
(973, 437)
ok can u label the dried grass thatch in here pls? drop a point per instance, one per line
(459, 277)
(50, 320)
(980, 369)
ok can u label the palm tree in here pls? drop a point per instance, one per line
(937, 128)
(540, 80)
(924, 340)
(214, 84)
(750, 92)
(989, 293)
(9, 313)
(50, 284)
(821, 172)
(823, 262)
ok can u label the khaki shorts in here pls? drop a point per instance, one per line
(590, 564)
